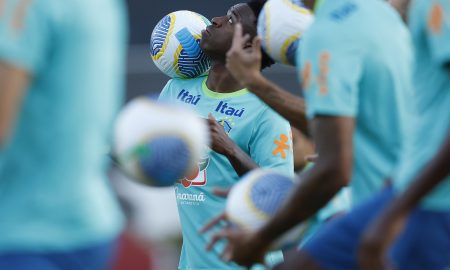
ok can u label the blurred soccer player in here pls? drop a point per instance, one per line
(61, 77)
(419, 218)
(357, 101)
(245, 134)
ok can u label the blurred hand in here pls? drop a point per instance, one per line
(220, 142)
(378, 238)
(242, 247)
(243, 60)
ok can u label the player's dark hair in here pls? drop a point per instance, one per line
(256, 6)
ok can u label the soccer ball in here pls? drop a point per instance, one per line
(175, 45)
(256, 198)
(281, 24)
(158, 144)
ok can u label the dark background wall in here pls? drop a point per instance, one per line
(143, 76)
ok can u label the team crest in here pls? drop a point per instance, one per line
(198, 177)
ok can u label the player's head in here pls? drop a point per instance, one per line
(217, 38)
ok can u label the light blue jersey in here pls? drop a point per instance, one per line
(255, 128)
(355, 61)
(430, 29)
(54, 194)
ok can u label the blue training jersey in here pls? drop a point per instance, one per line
(355, 61)
(54, 194)
(255, 128)
(429, 22)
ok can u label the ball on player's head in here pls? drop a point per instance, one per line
(174, 45)
(281, 24)
(256, 198)
(158, 144)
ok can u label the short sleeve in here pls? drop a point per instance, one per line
(25, 29)
(438, 31)
(329, 74)
(166, 94)
(271, 143)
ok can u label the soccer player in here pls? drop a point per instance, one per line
(419, 218)
(358, 89)
(246, 134)
(61, 77)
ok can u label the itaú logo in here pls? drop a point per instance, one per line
(226, 109)
(198, 176)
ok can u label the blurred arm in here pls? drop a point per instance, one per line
(433, 174)
(332, 171)
(286, 104)
(13, 84)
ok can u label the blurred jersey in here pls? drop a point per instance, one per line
(54, 193)
(355, 61)
(429, 21)
(255, 128)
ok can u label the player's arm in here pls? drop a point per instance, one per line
(222, 144)
(291, 107)
(245, 65)
(13, 85)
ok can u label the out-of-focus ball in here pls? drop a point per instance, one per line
(175, 45)
(256, 198)
(281, 25)
(158, 144)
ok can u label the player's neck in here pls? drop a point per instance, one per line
(220, 79)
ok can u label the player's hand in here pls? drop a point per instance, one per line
(242, 247)
(243, 59)
(220, 142)
(378, 238)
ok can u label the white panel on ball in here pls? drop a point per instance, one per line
(158, 144)
(256, 198)
(281, 25)
(175, 45)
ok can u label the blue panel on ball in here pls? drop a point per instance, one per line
(159, 35)
(291, 53)
(165, 160)
(270, 191)
(190, 66)
(188, 42)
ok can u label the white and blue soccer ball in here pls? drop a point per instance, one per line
(256, 198)
(158, 144)
(281, 25)
(175, 45)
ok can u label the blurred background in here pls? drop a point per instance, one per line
(153, 238)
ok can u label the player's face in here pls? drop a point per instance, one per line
(217, 38)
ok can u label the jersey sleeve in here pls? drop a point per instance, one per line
(329, 74)
(271, 143)
(166, 94)
(25, 29)
(438, 31)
